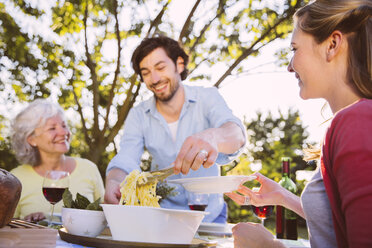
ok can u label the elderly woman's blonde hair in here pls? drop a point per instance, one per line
(24, 124)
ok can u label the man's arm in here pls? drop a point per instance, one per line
(113, 179)
(227, 138)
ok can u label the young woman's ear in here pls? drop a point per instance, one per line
(334, 44)
(180, 65)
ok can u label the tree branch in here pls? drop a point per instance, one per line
(220, 11)
(157, 19)
(197, 65)
(92, 67)
(186, 25)
(124, 109)
(117, 71)
(80, 111)
(250, 50)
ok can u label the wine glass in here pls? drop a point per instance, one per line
(54, 184)
(197, 201)
(264, 211)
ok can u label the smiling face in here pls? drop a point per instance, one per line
(160, 74)
(309, 65)
(51, 138)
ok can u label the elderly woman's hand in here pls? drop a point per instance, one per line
(35, 217)
(253, 235)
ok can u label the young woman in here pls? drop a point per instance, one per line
(332, 45)
(40, 139)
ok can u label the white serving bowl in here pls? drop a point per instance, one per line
(89, 223)
(153, 225)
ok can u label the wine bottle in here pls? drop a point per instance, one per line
(286, 220)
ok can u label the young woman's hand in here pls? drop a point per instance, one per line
(270, 193)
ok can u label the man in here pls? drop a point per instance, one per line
(189, 127)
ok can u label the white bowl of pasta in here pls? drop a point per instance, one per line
(151, 224)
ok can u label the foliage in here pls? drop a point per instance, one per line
(80, 202)
(269, 139)
(7, 157)
(78, 52)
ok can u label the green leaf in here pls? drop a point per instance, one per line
(81, 202)
(67, 199)
(95, 205)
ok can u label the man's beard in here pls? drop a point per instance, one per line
(167, 98)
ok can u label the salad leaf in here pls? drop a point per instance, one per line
(68, 202)
(80, 202)
(95, 205)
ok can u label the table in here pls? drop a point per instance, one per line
(222, 242)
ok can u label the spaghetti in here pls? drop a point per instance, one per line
(138, 195)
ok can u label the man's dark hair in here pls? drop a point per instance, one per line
(171, 47)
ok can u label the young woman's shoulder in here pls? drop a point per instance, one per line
(360, 109)
(353, 122)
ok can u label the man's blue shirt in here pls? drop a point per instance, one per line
(145, 127)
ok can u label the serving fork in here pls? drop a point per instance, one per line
(157, 175)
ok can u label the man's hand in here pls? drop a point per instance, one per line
(203, 148)
(113, 179)
(198, 149)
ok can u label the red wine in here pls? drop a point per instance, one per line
(262, 212)
(53, 195)
(197, 207)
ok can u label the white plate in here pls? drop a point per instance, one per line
(212, 185)
(215, 229)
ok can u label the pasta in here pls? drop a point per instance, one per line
(138, 195)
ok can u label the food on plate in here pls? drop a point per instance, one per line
(138, 195)
(10, 192)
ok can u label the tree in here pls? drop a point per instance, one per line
(8, 160)
(65, 53)
(269, 139)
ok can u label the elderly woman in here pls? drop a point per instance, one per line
(40, 139)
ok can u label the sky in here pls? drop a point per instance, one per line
(268, 88)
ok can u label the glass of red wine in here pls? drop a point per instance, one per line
(54, 184)
(262, 212)
(197, 201)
